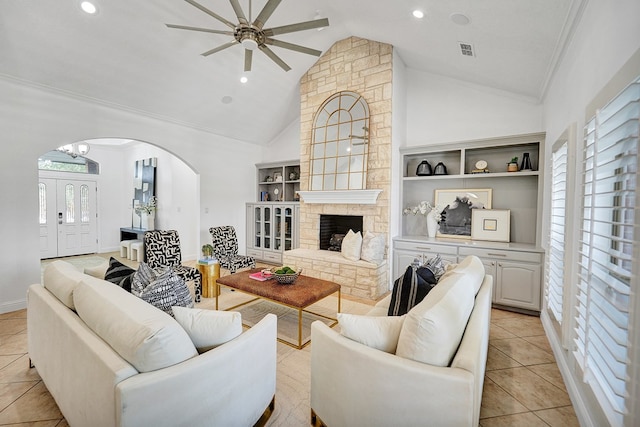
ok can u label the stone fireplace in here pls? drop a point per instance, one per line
(365, 67)
(331, 225)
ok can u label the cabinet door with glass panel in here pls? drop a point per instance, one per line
(262, 227)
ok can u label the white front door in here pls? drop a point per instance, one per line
(68, 225)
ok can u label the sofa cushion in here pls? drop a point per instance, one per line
(61, 278)
(144, 336)
(373, 331)
(352, 246)
(119, 274)
(162, 288)
(208, 328)
(372, 247)
(433, 329)
(98, 271)
(409, 289)
(472, 268)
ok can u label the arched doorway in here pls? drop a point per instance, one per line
(114, 160)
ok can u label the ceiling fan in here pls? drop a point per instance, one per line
(252, 34)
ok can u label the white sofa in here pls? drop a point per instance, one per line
(353, 384)
(164, 383)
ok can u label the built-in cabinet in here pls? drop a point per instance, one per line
(278, 182)
(516, 265)
(272, 220)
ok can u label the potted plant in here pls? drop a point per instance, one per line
(512, 166)
(207, 251)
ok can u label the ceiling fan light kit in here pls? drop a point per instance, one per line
(253, 35)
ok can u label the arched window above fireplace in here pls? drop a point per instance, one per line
(340, 144)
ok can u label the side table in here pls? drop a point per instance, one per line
(210, 274)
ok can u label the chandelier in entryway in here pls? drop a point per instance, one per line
(76, 149)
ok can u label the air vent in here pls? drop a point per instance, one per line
(466, 49)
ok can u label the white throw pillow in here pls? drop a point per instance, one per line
(472, 268)
(372, 247)
(61, 278)
(379, 332)
(141, 334)
(433, 329)
(352, 246)
(208, 328)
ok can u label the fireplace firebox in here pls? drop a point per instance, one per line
(331, 225)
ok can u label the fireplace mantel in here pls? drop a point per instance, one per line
(354, 197)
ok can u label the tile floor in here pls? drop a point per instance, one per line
(523, 386)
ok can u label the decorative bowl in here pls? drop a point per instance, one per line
(287, 278)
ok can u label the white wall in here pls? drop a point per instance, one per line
(441, 109)
(35, 120)
(285, 146)
(595, 65)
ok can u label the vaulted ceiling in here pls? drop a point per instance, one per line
(126, 57)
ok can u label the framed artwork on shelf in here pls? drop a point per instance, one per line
(457, 207)
(491, 224)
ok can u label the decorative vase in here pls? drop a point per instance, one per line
(432, 226)
(148, 221)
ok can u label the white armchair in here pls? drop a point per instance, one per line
(355, 385)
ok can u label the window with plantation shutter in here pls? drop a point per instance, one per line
(555, 259)
(605, 249)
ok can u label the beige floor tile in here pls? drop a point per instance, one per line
(527, 419)
(19, 314)
(496, 401)
(6, 360)
(550, 372)
(522, 351)
(524, 326)
(19, 370)
(498, 333)
(541, 342)
(530, 389)
(13, 344)
(35, 405)
(559, 417)
(12, 326)
(10, 392)
(504, 314)
(498, 360)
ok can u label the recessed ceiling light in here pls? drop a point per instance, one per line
(460, 18)
(88, 7)
(418, 14)
(244, 79)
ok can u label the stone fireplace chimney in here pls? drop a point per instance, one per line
(365, 67)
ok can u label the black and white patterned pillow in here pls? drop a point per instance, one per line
(162, 288)
(119, 274)
(410, 289)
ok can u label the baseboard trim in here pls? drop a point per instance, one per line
(8, 307)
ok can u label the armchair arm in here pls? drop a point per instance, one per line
(230, 385)
(355, 385)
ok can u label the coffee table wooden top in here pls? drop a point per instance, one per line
(304, 292)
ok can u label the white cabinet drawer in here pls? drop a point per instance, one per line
(426, 247)
(501, 254)
(254, 253)
(273, 257)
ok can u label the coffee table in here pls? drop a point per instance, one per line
(298, 296)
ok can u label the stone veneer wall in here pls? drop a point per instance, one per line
(365, 67)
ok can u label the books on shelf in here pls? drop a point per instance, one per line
(261, 276)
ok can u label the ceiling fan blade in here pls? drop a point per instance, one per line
(292, 46)
(275, 58)
(210, 13)
(219, 48)
(300, 26)
(266, 12)
(204, 30)
(248, 55)
(239, 13)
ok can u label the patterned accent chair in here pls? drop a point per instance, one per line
(225, 248)
(162, 249)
